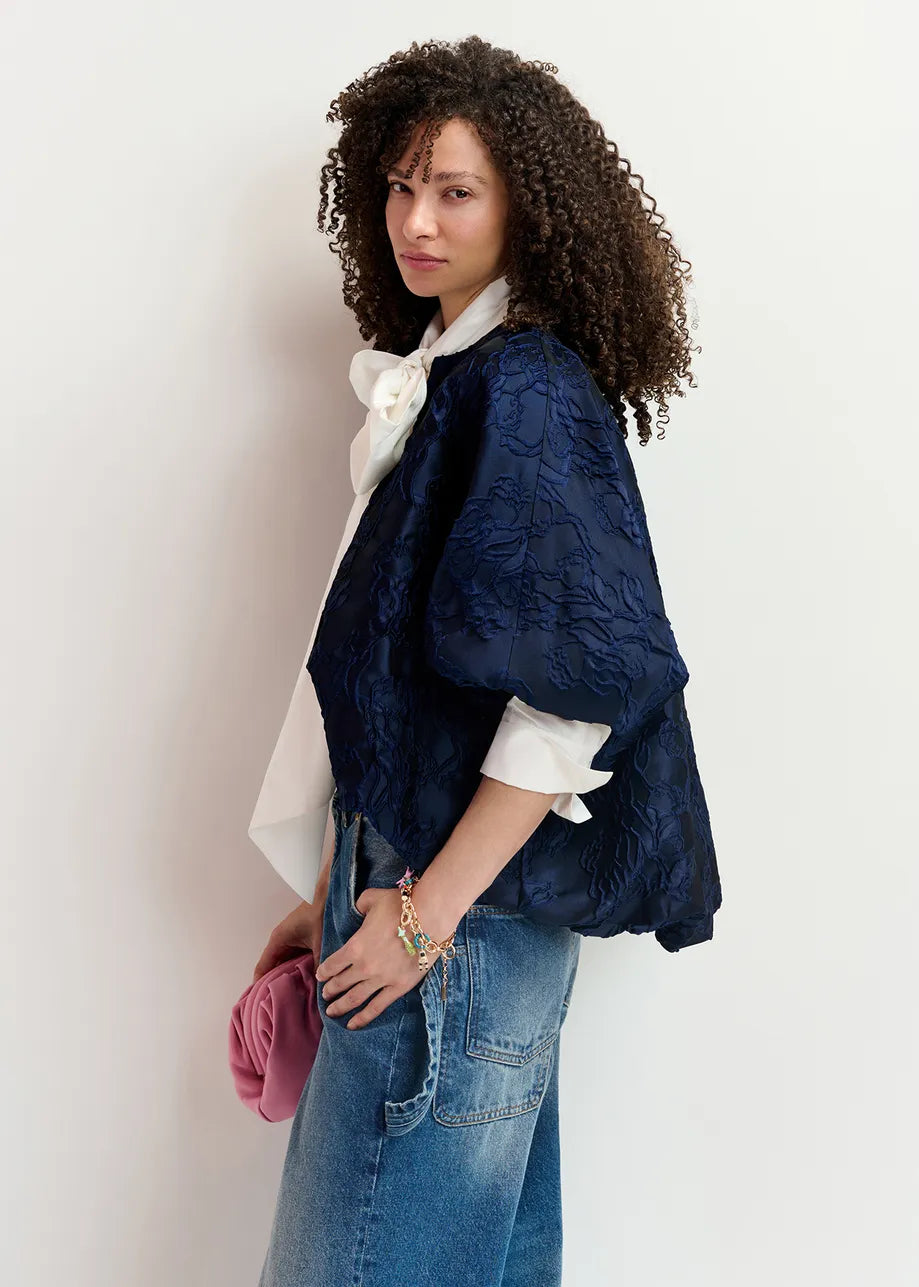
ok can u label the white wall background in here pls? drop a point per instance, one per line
(175, 420)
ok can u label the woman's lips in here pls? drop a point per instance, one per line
(423, 263)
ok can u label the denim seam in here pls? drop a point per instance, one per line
(509, 1110)
(421, 1100)
(352, 866)
(360, 1263)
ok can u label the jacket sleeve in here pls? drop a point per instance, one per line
(546, 587)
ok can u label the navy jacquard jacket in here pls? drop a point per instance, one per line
(507, 552)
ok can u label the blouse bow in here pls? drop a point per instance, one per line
(393, 389)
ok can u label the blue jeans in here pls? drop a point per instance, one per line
(425, 1146)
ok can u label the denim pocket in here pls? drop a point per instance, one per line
(505, 1007)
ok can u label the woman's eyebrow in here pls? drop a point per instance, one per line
(443, 176)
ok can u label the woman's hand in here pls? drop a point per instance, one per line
(374, 959)
(302, 929)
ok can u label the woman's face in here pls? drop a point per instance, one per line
(459, 217)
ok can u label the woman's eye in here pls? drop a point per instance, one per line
(396, 183)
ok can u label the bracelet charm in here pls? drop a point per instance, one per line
(417, 943)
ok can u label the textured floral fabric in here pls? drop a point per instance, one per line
(531, 749)
(507, 554)
(291, 814)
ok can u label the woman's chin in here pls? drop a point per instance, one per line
(425, 290)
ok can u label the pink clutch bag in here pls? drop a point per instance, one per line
(274, 1035)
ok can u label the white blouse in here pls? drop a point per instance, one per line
(531, 749)
(544, 752)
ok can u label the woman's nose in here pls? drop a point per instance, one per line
(418, 221)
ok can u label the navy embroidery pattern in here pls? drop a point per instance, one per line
(508, 553)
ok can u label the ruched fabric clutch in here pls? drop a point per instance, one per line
(274, 1035)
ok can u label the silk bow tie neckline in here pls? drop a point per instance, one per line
(394, 388)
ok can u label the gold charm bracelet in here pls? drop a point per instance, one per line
(417, 942)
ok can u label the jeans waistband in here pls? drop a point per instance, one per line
(376, 862)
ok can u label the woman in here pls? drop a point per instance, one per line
(492, 647)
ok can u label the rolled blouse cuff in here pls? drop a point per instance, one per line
(541, 752)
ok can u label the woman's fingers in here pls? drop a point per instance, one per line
(340, 982)
(300, 931)
(281, 943)
(267, 961)
(383, 998)
(352, 997)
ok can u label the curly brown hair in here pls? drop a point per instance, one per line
(587, 259)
